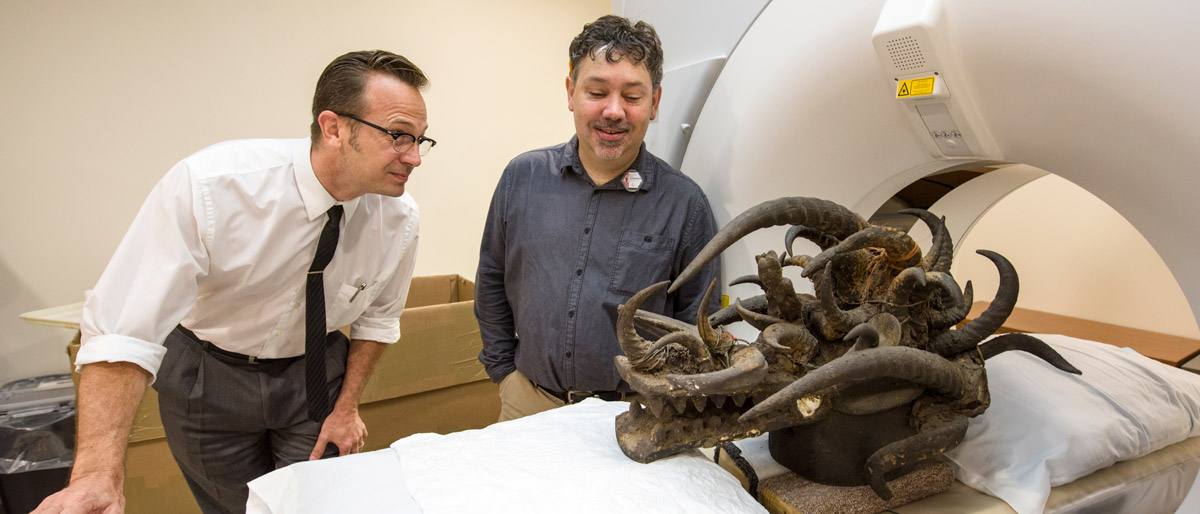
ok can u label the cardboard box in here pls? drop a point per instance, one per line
(428, 381)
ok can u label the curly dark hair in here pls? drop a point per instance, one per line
(340, 87)
(619, 39)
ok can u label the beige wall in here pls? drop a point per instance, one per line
(101, 98)
(1075, 256)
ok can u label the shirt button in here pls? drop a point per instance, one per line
(579, 272)
(568, 355)
(647, 239)
(571, 313)
(587, 230)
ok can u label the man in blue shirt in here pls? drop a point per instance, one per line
(575, 229)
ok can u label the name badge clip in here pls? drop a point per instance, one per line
(632, 181)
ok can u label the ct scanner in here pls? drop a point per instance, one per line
(801, 98)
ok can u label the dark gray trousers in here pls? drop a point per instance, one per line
(228, 422)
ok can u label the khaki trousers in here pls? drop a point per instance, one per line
(520, 398)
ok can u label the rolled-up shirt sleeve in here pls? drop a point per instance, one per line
(381, 321)
(492, 310)
(151, 282)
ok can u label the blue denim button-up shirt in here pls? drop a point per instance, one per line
(559, 253)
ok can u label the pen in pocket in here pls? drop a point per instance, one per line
(360, 288)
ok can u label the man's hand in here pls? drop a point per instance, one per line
(86, 495)
(344, 428)
(109, 393)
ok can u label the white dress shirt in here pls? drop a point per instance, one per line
(223, 245)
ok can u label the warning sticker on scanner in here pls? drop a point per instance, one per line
(915, 87)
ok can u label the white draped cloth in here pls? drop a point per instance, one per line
(563, 460)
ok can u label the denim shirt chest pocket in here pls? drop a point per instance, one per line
(641, 259)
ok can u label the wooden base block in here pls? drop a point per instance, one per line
(791, 494)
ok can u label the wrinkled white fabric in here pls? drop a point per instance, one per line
(361, 483)
(562, 460)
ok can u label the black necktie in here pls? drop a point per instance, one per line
(316, 384)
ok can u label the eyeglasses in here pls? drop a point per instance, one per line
(401, 141)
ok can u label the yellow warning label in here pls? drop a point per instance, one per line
(915, 87)
(724, 301)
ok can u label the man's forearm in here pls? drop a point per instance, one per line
(360, 361)
(109, 393)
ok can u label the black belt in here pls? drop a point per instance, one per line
(237, 357)
(570, 397)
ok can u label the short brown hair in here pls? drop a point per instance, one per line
(341, 86)
(619, 39)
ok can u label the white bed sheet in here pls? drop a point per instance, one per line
(564, 460)
(362, 483)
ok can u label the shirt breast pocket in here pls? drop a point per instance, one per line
(352, 300)
(641, 260)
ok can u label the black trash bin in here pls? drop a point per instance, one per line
(37, 440)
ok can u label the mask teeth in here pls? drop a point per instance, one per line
(680, 404)
(656, 405)
(739, 399)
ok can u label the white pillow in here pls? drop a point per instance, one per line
(563, 460)
(1046, 427)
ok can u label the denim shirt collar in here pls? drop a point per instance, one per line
(644, 166)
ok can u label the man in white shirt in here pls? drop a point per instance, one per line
(214, 295)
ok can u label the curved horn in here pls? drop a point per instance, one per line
(883, 330)
(658, 325)
(707, 334)
(797, 260)
(821, 239)
(747, 368)
(948, 286)
(955, 342)
(840, 321)
(934, 438)
(900, 290)
(731, 314)
(941, 250)
(951, 316)
(653, 358)
(631, 343)
(792, 337)
(1029, 344)
(901, 251)
(902, 362)
(864, 336)
(756, 320)
(823, 215)
(818, 262)
(746, 279)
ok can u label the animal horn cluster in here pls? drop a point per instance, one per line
(874, 351)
